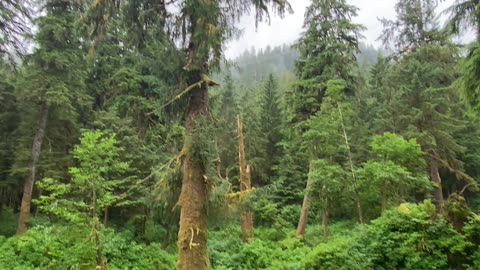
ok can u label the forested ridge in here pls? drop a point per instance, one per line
(128, 141)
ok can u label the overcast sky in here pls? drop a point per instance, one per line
(288, 29)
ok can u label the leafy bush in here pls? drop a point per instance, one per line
(63, 247)
(338, 253)
(415, 237)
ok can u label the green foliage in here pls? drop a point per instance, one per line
(338, 253)
(327, 52)
(94, 183)
(416, 24)
(62, 247)
(468, 82)
(414, 237)
(392, 147)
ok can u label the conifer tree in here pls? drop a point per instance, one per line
(270, 121)
(203, 27)
(327, 51)
(15, 17)
(52, 79)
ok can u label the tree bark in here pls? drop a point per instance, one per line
(192, 233)
(437, 189)
(246, 219)
(325, 222)
(302, 221)
(32, 166)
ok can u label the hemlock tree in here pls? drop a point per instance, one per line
(202, 26)
(52, 78)
(94, 186)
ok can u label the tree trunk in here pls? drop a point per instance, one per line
(192, 233)
(105, 217)
(101, 263)
(32, 166)
(437, 189)
(359, 206)
(325, 222)
(352, 169)
(246, 219)
(302, 221)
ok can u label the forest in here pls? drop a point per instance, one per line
(129, 141)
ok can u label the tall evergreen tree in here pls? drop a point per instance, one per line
(271, 122)
(327, 51)
(52, 79)
(416, 24)
(203, 27)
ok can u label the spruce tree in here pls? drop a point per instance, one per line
(202, 27)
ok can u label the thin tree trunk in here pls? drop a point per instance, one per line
(30, 178)
(352, 170)
(325, 222)
(192, 233)
(101, 263)
(437, 189)
(302, 221)
(246, 219)
(105, 217)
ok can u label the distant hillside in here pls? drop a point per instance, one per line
(254, 66)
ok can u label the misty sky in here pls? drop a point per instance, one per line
(288, 29)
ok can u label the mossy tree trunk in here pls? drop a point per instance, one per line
(32, 168)
(246, 219)
(192, 233)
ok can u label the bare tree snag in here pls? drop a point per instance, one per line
(32, 168)
(246, 219)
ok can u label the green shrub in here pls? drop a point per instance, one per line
(415, 237)
(337, 253)
(66, 247)
(9, 223)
